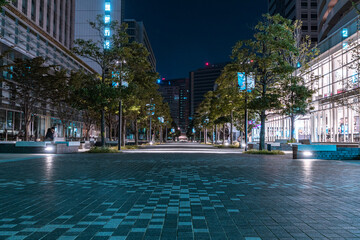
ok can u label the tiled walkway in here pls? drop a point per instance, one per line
(178, 196)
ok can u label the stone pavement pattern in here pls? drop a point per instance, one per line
(178, 196)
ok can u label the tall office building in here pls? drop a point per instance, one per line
(201, 82)
(137, 33)
(87, 11)
(34, 28)
(333, 15)
(304, 10)
(55, 17)
(176, 93)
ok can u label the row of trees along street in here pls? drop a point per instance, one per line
(272, 59)
(93, 98)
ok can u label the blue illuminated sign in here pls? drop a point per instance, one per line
(298, 65)
(345, 33)
(107, 44)
(107, 32)
(107, 6)
(158, 81)
(345, 45)
(354, 78)
(107, 19)
(242, 84)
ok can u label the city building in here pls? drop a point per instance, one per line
(201, 82)
(137, 33)
(87, 11)
(333, 15)
(176, 93)
(37, 28)
(336, 110)
(304, 10)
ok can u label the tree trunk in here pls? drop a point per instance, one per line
(64, 131)
(136, 133)
(212, 136)
(102, 127)
(27, 120)
(161, 134)
(124, 132)
(87, 136)
(27, 130)
(231, 129)
(262, 131)
(110, 130)
(216, 134)
(224, 134)
(292, 127)
(205, 136)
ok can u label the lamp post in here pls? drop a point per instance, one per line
(246, 113)
(150, 112)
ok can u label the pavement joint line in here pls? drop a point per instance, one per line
(24, 159)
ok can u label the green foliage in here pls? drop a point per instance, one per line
(130, 147)
(5, 2)
(265, 152)
(30, 83)
(224, 146)
(102, 150)
(293, 140)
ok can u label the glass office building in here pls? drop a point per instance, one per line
(335, 116)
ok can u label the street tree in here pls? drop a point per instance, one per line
(30, 83)
(296, 88)
(106, 52)
(274, 36)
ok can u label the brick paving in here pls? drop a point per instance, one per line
(175, 195)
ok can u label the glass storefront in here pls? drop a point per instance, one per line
(336, 109)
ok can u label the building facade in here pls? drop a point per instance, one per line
(137, 33)
(87, 11)
(201, 82)
(304, 10)
(336, 103)
(55, 17)
(31, 29)
(333, 15)
(176, 93)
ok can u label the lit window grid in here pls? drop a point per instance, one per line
(33, 45)
(327, 122)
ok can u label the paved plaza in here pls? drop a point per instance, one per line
(177, 192)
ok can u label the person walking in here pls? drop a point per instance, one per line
(49, 135)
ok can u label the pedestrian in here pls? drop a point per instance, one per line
(49, 135)
(54, 132)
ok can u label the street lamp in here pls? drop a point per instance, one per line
(150, 112)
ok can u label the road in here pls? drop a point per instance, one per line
(178, 191)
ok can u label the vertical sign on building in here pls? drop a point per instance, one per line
(107, 20)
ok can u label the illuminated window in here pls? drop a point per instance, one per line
(107, 6)
(107, 18)
(107, 32)
(107, 44)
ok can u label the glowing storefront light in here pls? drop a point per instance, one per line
(345, 33)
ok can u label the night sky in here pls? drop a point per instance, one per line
(185, 34)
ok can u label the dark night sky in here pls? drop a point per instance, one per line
(185, 34)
